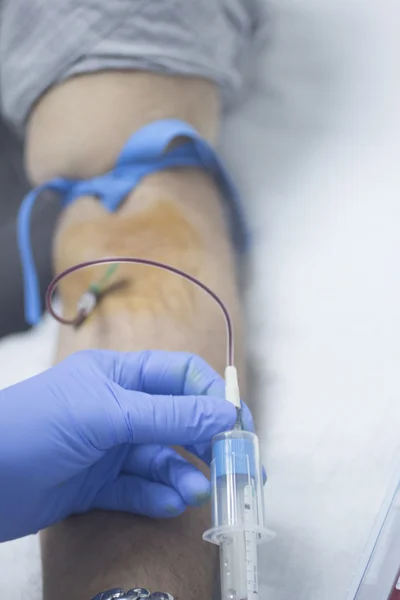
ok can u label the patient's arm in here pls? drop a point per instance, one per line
(175, 217)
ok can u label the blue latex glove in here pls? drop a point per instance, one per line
(94, 432)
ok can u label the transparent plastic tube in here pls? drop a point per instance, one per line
(378, 577)
(238, 522)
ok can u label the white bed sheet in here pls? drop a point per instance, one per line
(316, 149)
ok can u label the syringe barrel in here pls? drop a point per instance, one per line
(238, 522)
(237, 486)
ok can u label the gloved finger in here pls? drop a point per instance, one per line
(162, 464)
(247, 417)
(134, 417)
(161, 372)
(139, 496)
(178, 373)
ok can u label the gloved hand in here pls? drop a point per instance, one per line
(95, 430)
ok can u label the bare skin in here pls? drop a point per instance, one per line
(175, 217)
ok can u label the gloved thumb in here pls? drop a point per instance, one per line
(138, 418)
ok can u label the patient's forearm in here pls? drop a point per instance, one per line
(175, 217)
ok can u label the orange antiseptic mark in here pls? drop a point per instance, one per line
(159, 232)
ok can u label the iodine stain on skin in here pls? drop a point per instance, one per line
(158, 232)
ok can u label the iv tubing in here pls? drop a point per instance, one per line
(151, 263)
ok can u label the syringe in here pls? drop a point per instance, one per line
(237, 500)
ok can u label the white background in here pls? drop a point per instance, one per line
(316, 150)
